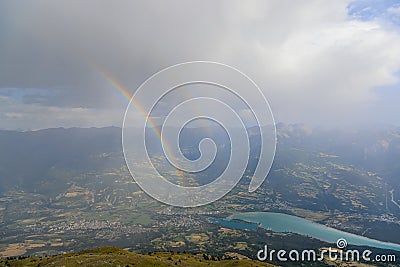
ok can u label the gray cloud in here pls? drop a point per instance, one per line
(313, 62)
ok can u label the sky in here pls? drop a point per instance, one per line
(317, 62)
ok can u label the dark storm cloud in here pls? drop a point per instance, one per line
(59, 44)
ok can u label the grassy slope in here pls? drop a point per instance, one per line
(112, 256)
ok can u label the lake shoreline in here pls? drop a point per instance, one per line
(282, 222)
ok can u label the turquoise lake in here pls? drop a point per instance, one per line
(279, 222)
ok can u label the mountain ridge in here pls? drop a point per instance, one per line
(114, 256)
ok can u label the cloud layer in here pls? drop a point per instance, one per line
(314, 61)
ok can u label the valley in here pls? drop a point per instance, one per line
(61, 212)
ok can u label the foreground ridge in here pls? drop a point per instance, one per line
(114, 256)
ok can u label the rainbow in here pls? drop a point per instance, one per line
(127, 96)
